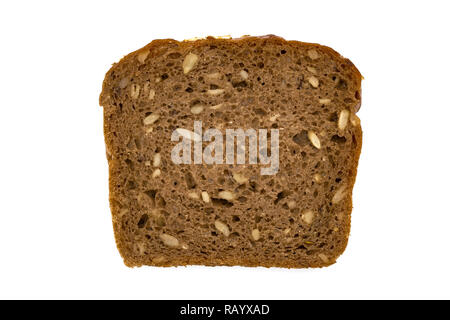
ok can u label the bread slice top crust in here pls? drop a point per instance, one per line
(168, 214)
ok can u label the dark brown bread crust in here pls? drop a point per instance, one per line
(142, 211)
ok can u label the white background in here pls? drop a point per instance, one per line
(56, 238)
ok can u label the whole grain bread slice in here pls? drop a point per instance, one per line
(168, 214)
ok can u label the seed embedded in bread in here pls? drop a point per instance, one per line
(151, 94)
(215, 75)
(197, 109)
(148, 130)
(311, 69)
(308, 216)
(134, 91)
(159, 259)
(324, 101)
(323, 257)
(239, 178)
(315, 141)
(216, 107)
(205, 197)
(292, 204)
(169, 240)
(156, 159)
(274, 117)
(215, 92)
(243, 74)
(339, 195)
(222, 227)
(151, 119)
(123, 83)
(226, 195)
(193, 195)
(256, 235)
(189, 62)
(314, 81)
(343, 119)
(156, 173)
(317, 178)
(313, 54)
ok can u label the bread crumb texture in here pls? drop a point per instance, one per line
(167, 214)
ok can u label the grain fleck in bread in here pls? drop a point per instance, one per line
(167, 214)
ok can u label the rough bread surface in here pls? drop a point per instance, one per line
(167, 214)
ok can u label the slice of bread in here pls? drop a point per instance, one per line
(167, 213)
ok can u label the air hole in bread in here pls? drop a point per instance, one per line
(142, 221)
(129, 163)
(338, 139)
(301, 138)
(190, 181)
(281, 195)
(221, 203)
(161, 202)
(342, 84)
